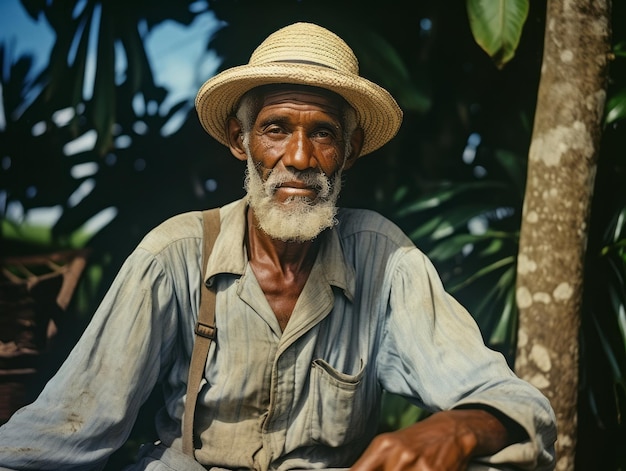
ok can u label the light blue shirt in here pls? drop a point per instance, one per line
(372, 316)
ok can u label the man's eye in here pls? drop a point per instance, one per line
(274, 130)
(324, 134)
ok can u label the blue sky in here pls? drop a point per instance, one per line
(22, 34)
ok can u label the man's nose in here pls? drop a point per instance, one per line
(299, 152)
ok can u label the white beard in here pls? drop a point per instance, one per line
(298, 219)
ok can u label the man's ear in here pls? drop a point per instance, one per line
(234, 135)
(356, 144)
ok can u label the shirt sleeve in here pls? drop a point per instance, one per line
(87, 410)
(433, 353)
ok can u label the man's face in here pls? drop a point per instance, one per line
(296, 153)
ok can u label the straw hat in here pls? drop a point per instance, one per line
(307, 54)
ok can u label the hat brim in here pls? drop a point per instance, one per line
(378, 114)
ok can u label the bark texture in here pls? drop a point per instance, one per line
(561, 173)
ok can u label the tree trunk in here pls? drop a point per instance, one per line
(561, 171)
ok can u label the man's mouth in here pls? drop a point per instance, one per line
(296, 189)
(293, 184)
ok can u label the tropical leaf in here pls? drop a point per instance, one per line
(33, 7)
(620, 226)
(427, 227)
(615, 231)
(606, 317)
(610, 353)
(378, 58)
(103, 109)
(14, 79)
(620, 49)
(486, 270)
(490, 241)
(497, 26)
(515, 168)
(616, 107)
(505, 331)
(453, 247)
(493, 247)
(116, 23)
(447, 192)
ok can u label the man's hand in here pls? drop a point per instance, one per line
(444, 441)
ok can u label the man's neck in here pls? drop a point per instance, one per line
(284, 256)
(281, 268)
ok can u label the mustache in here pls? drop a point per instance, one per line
(311, 178)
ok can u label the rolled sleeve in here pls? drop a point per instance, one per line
(433, 352)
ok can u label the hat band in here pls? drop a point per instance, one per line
(291, 61)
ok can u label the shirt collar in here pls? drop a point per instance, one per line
(229, 253)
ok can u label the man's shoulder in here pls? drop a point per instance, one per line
(185, 226)
(353, 221)
(182, 226)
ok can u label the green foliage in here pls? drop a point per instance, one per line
(603, 333)
(616, 107)
(35, 235)
(497, 26)
(470, 230)
(114, 22)
(397, 413)
(381, 61)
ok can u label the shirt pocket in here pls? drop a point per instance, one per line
(339, 411)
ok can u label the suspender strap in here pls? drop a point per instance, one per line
(205, 330)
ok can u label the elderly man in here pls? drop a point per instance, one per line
(318, 310)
